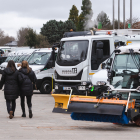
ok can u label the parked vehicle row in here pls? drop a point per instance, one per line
(42, 63)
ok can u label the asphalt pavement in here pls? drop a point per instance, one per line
(46, 125)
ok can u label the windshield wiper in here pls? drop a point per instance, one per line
(65, 60)
(75, 60)
(32, 63)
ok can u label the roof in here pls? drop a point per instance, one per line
(86, 37)
(5, 47)
(45, 50)
(133, 37)
(12, 43)
(125, 49)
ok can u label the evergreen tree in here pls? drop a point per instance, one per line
(30, 37)
(54, 30)
(50, 30)
(86, 15)
(69, 24)
(104, 19)
(74, 15)
(80, 26)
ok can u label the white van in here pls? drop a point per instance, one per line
(40, 62)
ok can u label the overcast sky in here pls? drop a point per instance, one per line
(15, 14)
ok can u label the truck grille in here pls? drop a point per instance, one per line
(77, 77)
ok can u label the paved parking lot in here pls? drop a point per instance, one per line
(46, 125)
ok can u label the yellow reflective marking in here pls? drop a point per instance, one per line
(135, 110)
(61, 100)
(128, 42)
(91, 73)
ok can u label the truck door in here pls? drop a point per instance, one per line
(95, 63)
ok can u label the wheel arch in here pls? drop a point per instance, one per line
(49, 79)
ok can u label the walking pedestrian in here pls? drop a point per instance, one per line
(27, 79)
(11, 88)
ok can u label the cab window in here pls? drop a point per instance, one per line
(95, 63)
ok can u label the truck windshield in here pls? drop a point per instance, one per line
(72, 52)
(16, 59)
(126, 72)
(39, 58)
(22, 58)
(9, 58)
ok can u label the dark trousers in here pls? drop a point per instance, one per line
(29, 103)
(11, 105)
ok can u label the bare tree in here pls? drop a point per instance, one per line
(135, 23)
(1, 34)
(5, 38)
(42, 42)
(104, 19)
(21, 36)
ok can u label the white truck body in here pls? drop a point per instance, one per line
(102, 74)
(65, 76)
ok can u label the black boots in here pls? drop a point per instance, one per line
(30, 113)
(23, 115)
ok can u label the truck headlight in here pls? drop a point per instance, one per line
(100, 83)
(83, 83)
(56, 86)
(55, 74)
(37, 71)
(86, 83)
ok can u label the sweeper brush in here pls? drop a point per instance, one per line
(121, 119)
(102, 110)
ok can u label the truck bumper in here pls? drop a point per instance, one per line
(76, 91)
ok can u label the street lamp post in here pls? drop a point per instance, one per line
(131, 13)
(124, 13)
(113, 15)
(118, 14)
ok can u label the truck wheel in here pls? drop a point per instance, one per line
(46, 87)
(137, 122)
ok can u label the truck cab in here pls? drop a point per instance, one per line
(79, 58)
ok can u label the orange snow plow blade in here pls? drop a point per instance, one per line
(101, 110)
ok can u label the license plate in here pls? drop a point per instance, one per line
(81, 88)
(66, 88)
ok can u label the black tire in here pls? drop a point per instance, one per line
(46, 87)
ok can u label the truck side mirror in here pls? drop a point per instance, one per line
(103, 66)
(110, 61)
(56, 45)
(99, 50)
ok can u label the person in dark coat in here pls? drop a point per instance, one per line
(11, 88)
(27, 79)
